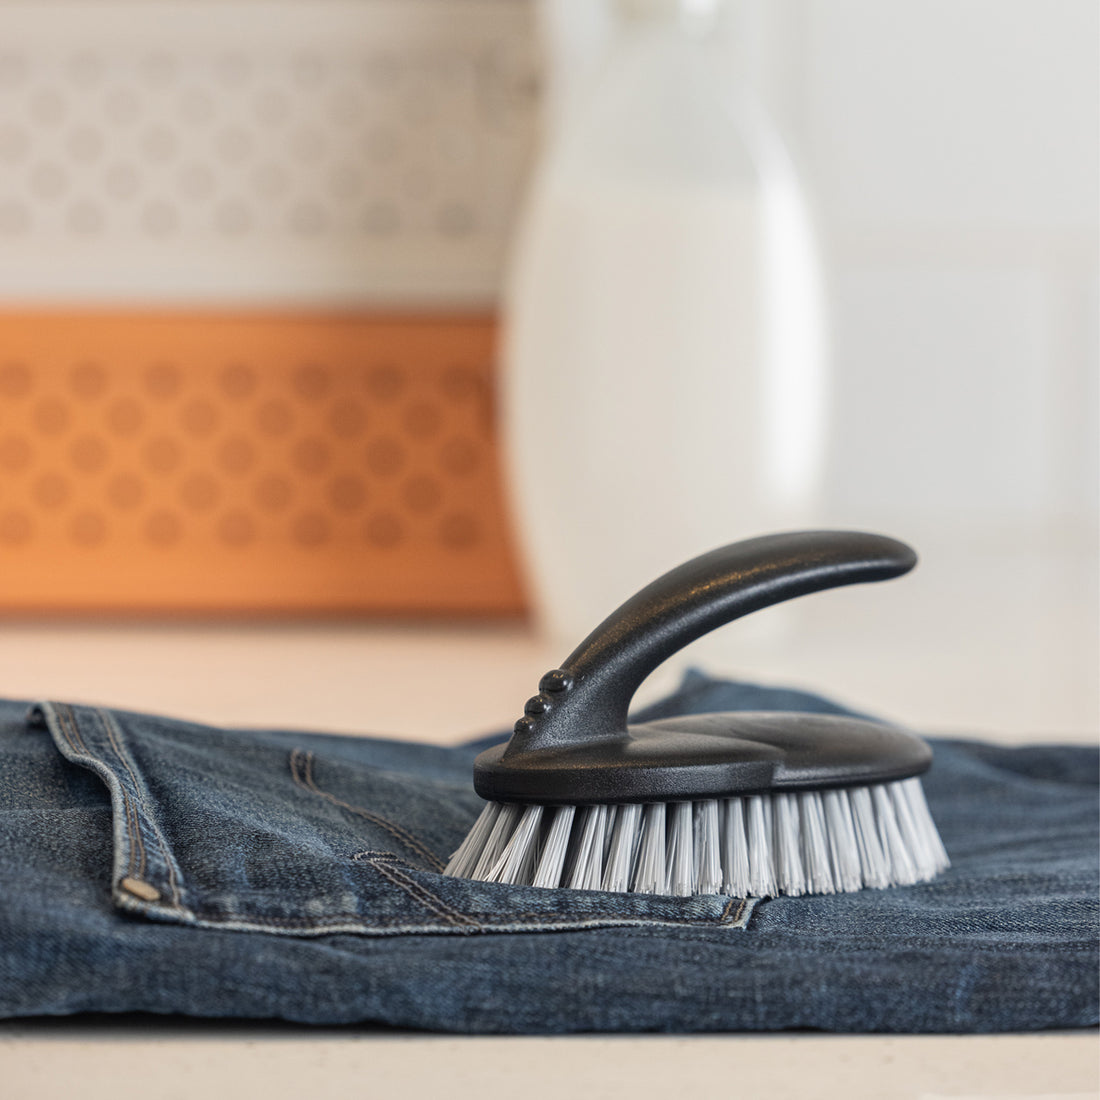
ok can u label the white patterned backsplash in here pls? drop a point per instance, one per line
(262, 152)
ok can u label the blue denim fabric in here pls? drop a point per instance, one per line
(160, 866)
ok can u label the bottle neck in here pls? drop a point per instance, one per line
(726, 34)
(696, 16)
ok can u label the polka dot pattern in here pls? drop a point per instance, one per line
(362, 463)
(399, 133)
(318, 463)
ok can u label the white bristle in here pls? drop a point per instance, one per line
(872, 859)
(609, 832)
(497, 839)
(624, 846)
(650, 875)
(918, 828)
(517, 859)
(762, 882)
(734, 855)
(552, 860)
(897, 856)
(469, 851)
(708, 863)
(680, 852)
(843, 848)
(601, 816)
(586, 864)
(788, 854)
(813, 842)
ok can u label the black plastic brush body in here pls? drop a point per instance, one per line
(743, 802)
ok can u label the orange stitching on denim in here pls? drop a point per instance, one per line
(139, 838)
(64, 731)
(106, 720)
(726, 917)
(301, 771)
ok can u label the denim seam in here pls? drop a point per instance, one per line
(131, 821)
(601, 918)
(69, 729)
(728, 916)
(419, 894)
(348, 920)
(347, 924)
(534, 923)
(415, 890)
(111, 729)
(458, 921)
(301, 771)
(725, 917)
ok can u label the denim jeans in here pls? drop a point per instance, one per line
(154, 865)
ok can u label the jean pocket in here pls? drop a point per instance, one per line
(259, 832)
(467, 906)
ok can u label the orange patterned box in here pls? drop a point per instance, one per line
(205, 462)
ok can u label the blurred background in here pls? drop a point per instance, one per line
(262, 450)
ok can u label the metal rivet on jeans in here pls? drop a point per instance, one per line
(140, 889)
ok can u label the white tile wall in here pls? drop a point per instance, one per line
(951, 148)
(959, 113)
(947, 406)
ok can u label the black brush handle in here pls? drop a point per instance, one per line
(588, 698)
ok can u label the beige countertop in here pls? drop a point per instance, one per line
(998, 639)
(172, 1062)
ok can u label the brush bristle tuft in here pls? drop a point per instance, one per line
(813, 842)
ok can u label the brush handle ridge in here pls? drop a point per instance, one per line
(589, 696)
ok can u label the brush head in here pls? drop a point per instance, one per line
(809, 842)
(745, 803)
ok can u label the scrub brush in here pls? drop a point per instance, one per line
(750, 804)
